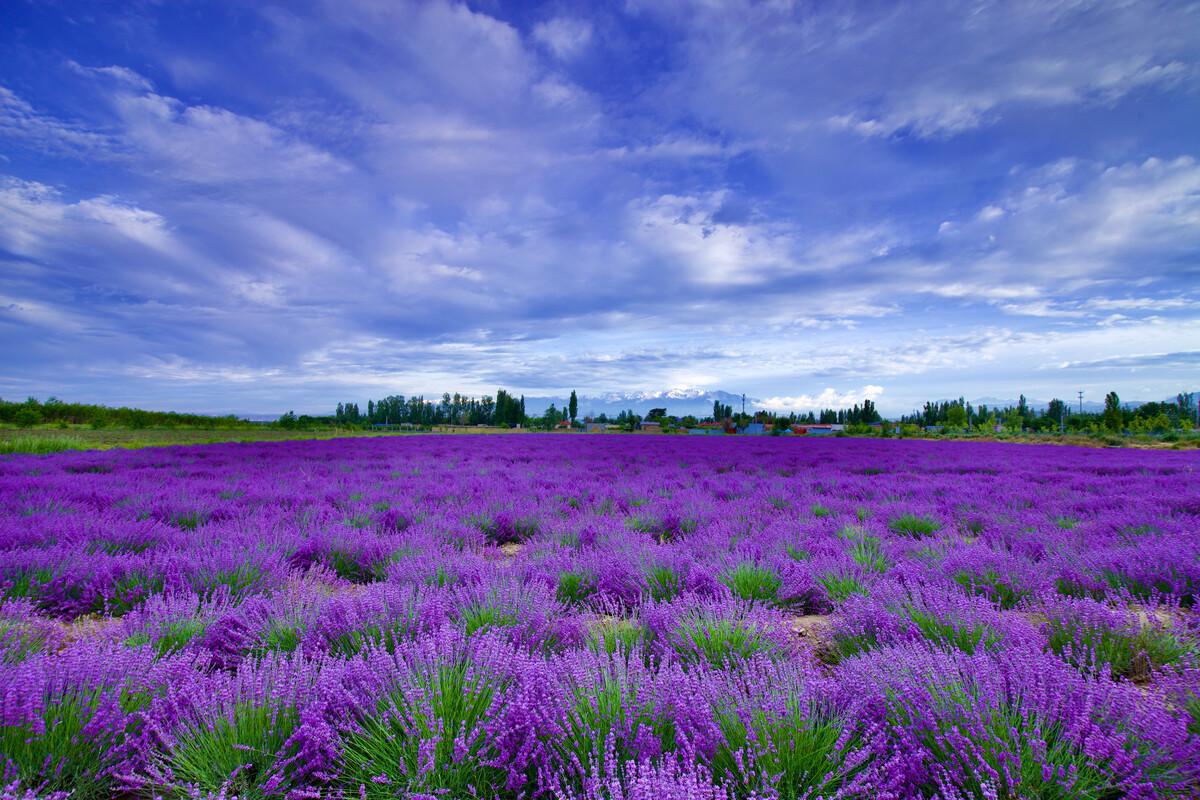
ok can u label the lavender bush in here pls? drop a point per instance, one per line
(600, 617)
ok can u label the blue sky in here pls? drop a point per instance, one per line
(252, 207)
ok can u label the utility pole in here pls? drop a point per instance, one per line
(1081, 402)
(743, 404)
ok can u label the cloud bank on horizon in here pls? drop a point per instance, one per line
(230, 207)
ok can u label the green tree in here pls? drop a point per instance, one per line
(573, 407)
(1113, 419)
(956, 416)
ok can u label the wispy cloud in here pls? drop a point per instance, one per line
(322, 199)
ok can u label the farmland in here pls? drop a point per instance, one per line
(600, 617)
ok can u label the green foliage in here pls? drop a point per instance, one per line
(1155, 590)
(401, 625)
(798, 553)
(1013, 754)
(1129, 653)
(820, 512)
(719, 640)
(347, 565)
(914, 526)
(839, 586)
(575, 587)
(609, 719)
(40, 445)
(281, 637)
(992, 586)
(428, 739)
(66, 755)
(663, 582)
(867, 552)
(791, 756)
(752, 582)
(25, 582)
(613, 634)
(18, 642)
(130, 591)
(170, 638)
(482, 617)
(237, 582)
(967, 638)
(234, 752)
(188, 520)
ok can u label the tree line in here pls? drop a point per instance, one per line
(1059, 415)
(32, 412)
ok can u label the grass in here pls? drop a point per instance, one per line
(53, 440)
(574, 588)
(839, 586)
(791, 756)
(427, 739)
(719, 641)
(967, 638)
(752, 582)
(484, 617)
(992, 586)
(914, 526)
(663, 583)
(608, 720)
(40, 445)
(173, 637)
(615, 634)
(233, 752)
(68, 755)
(1127, 654)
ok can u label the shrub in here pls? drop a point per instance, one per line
(611, 634)
(575, 587)
(663, 583)
(839, 586)
(427, 738)
(867, 552)
(914, 526)
(992, 586)
(234, 753)
(752, 582)
(965, 637)
(1092, 643)
(607, 725)
(802, 752)
(720, 640)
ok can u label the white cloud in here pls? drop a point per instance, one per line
(682, 232)
(566, 38)
(21, 122)
(206, 144)
(828, 398)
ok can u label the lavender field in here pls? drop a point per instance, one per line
(600, 617)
